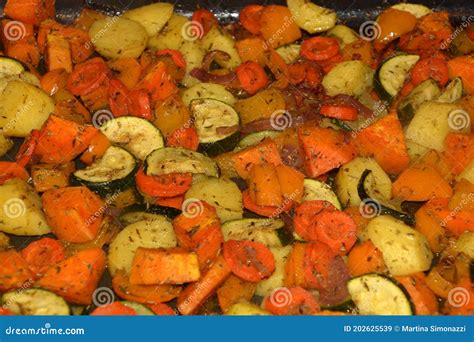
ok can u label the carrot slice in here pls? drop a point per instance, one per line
(172, 202)
(421, 295)
(306, 214)
(292, 301)
(159, 84)
(87, 76)
(53, 81)
(209, 245)
(365, 258)
(309, 75)
(252, 77)
(5, 312)
(317, 262)
(169, 185)
(139, 104)
(268, 211)
(249, 260)
(186, 137)
(249, 17)
(27, 148)
(14, 271)
(161, 309)
(205, 18)
(337, 230)
(144, 294)
(195, 294)
(42, 254)
(73, 213)
(319, 48)
(114, 309)
(177, 57)
(76, 277)
(339, 112)
(10, 170)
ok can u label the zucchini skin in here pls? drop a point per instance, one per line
(169, 212)
(384, 210)
(221, 146)
(107, 188)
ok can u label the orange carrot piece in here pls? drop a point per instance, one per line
(164, 266)
(53, 81)
(252, 49)
(421, 183)
(144, 294)
(114, 309)
(233, 290)
(421, 295)
(68, 107)
(264, 188)
(463, 67)
(195, 294)
(31, 11)
(276, 26)
(365, 258)
(58, 53)
(14, 271)
(459, 151)
(428, 225)
(127, 70)
(42, 254)
(265, 152)
(291, 182)
(172, 202)
(19, 42)
(10, 170)
(325, 149)
(73, 213)
(62, 140)
(47, 177)
(462, 197)
(76, 277)
(385, 142)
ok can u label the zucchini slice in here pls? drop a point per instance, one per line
(426, 91)
(136, 135)
(382, 209)
(452, 92)
(140, 212)
(112, 173)
(254, 229)
(255, 138)
(10, 67)
(315, 190)
(290, 53)
(157, 232)
(311, 17)
(140, 309)
(179, 160)
(35, 302)
(374, 294)
(208, 91)
(391, 75)
(215, 122)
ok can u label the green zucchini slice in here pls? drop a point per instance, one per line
(374, 294)
(391, 75)
(453, 91)
(112, 173)
(35, 302)
(10, 67)
(136, 135)
(426, 91)
(179, 160)
(260, 230)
